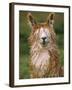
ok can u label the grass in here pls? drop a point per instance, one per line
(24, 34)
(24, 67)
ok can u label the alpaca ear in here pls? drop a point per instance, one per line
(50, 19)
(31, 19)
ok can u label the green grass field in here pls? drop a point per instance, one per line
(24, 30)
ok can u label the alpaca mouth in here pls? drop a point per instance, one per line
(44, 44)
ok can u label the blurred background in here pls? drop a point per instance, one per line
(24, 33)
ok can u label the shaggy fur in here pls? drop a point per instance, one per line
(44, 60)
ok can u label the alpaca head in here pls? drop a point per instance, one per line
(41, 32)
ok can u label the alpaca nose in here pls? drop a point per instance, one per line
(43, 38)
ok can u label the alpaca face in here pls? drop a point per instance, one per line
(41, 33)
(44, 36)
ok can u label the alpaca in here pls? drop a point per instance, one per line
(44, 53)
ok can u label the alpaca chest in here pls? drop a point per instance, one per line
(40, 60)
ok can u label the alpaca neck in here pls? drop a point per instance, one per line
(40, 57)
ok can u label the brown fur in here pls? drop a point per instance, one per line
(54, 68)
